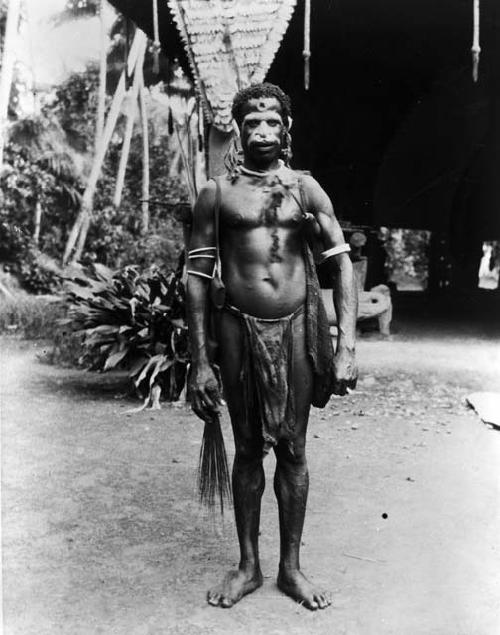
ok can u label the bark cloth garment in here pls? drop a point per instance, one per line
(267, 362)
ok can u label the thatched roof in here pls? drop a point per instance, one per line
(230, 44)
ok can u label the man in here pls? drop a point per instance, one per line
(274, 351)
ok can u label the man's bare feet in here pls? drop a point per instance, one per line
(234, 586)
(297, 586)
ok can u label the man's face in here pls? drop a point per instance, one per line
(262, 130)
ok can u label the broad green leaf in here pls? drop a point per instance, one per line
(152, 360)
(102, 272)
(160, 367)
(179, 322)
(79, 291)
(106, 329)
(114, 359)
(138, 365)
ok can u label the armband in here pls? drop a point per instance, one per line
(201, 250)
(201, 274)
(334, 251)
(202, 253)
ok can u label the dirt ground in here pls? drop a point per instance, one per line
(102, 532)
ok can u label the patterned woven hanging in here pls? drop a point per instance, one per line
(232, 52)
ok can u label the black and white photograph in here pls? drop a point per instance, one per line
(250, 317)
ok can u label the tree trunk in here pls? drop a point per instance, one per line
(82, 222)
(84, 228)
(186, 163)
(101, 103)
(88, 195)
(175, 167)
(145, 156)
(7, 68)
(38, 222)
(129, 129)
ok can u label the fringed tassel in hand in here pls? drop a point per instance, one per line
(213, 472)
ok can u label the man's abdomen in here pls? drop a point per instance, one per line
(266, 291)
(263, 270)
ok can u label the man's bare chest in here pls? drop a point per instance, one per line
(246, 207)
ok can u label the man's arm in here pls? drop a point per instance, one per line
(202, 386)
(345, 295)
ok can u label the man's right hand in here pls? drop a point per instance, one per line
(203, 391)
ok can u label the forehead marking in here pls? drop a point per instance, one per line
(262, 107)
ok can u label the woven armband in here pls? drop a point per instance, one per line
(334, 251)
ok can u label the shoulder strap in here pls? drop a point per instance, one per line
(218, 197)
(303, 203)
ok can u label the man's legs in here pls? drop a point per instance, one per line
(291, 483)
(248, 472)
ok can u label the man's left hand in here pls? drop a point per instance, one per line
(345, 371)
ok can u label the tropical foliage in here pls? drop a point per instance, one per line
(62, 163)
(46, 163)
(75, 9)
(407, 256)
(132, 321)
(39, 188)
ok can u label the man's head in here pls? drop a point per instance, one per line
(258, 92)
(263, 115)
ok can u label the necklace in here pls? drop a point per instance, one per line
(261, 175)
